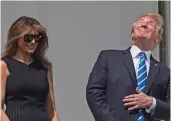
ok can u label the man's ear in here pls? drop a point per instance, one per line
(132, 30)
(158, 40)
(132, 35)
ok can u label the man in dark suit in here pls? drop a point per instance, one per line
(130, 85)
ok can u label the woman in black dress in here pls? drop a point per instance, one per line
(26, 74)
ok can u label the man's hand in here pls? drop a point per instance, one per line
(138, 101)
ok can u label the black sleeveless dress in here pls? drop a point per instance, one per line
(26, 91)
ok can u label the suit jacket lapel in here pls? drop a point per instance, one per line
(153, 69)
(127, 58)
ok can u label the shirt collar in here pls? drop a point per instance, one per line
(135, 51)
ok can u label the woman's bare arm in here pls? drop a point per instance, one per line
(4, 75)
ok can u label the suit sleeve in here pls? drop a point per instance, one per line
(162, 110)
(96, 90)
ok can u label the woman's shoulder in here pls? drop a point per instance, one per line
(5, 60)
(3, 63)
(4, 66)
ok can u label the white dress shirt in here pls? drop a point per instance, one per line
(134, 52)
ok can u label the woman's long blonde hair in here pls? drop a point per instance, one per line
(20, 27)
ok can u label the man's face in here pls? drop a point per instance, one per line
(146, 31)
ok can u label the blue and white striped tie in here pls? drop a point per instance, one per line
(142, 79)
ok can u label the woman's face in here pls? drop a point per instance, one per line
(28, 42)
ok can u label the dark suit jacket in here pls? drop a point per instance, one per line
(113, 77)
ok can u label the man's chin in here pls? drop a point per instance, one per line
(142, 38)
